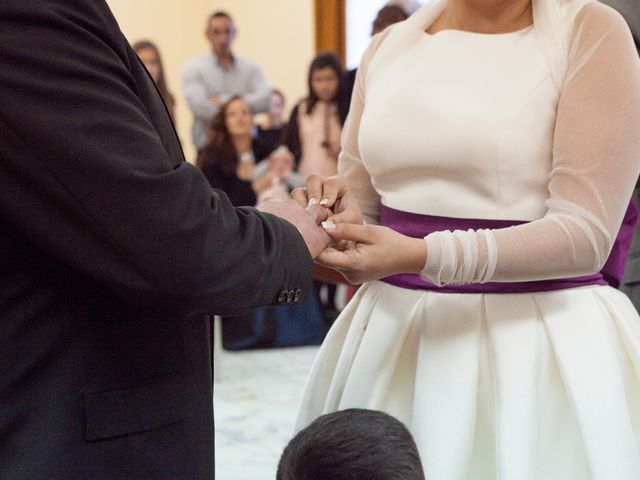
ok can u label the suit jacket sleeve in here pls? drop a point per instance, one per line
(86, 177)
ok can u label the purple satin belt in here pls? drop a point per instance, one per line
(418, 226)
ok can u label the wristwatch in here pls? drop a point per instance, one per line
(247, 157)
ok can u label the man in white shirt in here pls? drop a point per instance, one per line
(213, 78)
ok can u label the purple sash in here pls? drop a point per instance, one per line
(418, 226)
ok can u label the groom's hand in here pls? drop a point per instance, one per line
(306, 220)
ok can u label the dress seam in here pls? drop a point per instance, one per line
(502, 130)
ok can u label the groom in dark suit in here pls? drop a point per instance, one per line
(113, 250)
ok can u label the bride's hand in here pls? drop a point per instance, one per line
(374, 252)
(331, 193)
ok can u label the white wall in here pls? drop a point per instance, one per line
(277, 34)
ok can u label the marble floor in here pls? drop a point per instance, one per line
(255, 398)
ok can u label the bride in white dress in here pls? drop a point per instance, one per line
(506, 133)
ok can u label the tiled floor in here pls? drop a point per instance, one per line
(256, 397)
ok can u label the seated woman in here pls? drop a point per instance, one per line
(313, 137)
(229, 160)
(235, 164)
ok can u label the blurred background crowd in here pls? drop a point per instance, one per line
(259, 105)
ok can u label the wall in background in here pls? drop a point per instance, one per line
(277, 34)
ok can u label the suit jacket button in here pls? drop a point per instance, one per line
(290, 296)
(297, 296)
(283, 296)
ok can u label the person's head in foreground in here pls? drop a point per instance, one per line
(352, 444)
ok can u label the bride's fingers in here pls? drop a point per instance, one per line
(300, 195)
(315, 185)
(349, 231)
(332, 258)
(334, 188)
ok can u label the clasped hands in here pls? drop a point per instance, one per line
(338, 239)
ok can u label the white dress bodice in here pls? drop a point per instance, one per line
(484, 152)
(481, 126)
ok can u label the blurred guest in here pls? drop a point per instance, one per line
(409, 6)
(387, 15)
(269, 134)
(149, 54)
(313, 136)
(213, 78)
(235, 164)
(229, 159)
(315, 123)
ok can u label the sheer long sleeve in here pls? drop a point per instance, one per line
(596, 161)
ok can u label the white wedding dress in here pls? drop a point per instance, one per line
(525, 386)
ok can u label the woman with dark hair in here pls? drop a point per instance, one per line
(229, 159)
(244, 170)
(313, 137)
(150, 57)
(386, 16)
(315, 123)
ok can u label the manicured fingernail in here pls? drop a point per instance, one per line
(313, 201)
(328, 225)
(324, 201)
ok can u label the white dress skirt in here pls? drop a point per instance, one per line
(510, 386)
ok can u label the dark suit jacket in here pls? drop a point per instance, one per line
(112, 250)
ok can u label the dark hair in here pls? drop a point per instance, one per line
(323, 60)
(220, 150)
(388, 16)
(161, 84)
(354, 444)
(219, 14)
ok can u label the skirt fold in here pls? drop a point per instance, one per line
(525, 386)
